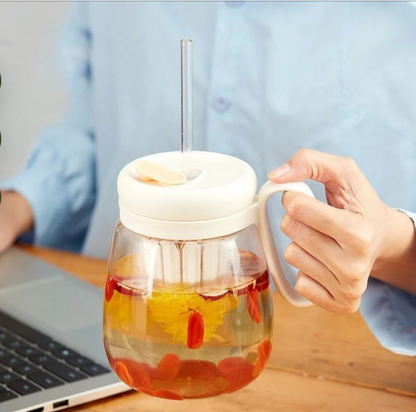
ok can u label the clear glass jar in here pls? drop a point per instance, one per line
(187, 319)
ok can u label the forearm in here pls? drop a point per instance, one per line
(16, 217)
(17, 211)
(396, 264)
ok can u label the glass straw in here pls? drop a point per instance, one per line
(186, 98)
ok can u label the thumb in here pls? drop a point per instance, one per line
(311, 164)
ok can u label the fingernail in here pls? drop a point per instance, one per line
(280, 171)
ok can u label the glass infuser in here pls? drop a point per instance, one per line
(187, 308)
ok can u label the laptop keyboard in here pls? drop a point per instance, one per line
(31, 361)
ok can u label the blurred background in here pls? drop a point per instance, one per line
(32, 95)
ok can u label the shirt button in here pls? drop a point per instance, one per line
(234, 3)
(221, 104)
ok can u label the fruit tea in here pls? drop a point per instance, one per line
(184, 341)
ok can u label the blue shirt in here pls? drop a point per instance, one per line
(269, 78)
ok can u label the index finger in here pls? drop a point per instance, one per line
(322, 217)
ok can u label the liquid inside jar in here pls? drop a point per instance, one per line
(184, 341)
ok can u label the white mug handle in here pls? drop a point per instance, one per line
(273, 262)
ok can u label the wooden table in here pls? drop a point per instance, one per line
(321, 362)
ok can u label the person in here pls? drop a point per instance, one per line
(269, 78)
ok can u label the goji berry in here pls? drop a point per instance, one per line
(122, 372)
(139, 372)
(263, 351)
(110, 284)
(195, 330)
(238, 372)
(253, 305)
(167, 369)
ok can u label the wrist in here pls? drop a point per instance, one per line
(399, 235)
(396, 260)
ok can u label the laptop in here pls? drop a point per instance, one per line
(51, 347)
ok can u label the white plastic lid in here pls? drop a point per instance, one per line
(218, 202)
(225, 186)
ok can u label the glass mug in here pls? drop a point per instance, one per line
(192, 318)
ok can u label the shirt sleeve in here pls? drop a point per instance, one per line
(391, 314)
(59, 178)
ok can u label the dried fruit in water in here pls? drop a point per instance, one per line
(253, 306)
(126, 267)
(136, 372)
(147, 391)
(110, 284)
(198, 369)
(167, 368)
(242, 286)
(238, 372)
(195, 330)
(168, 394)
(172, 306)
(162, 393)
(262, 282)
(122, 372)
(263, 351)
(209, 294)
(151, 171)
(251, 264)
